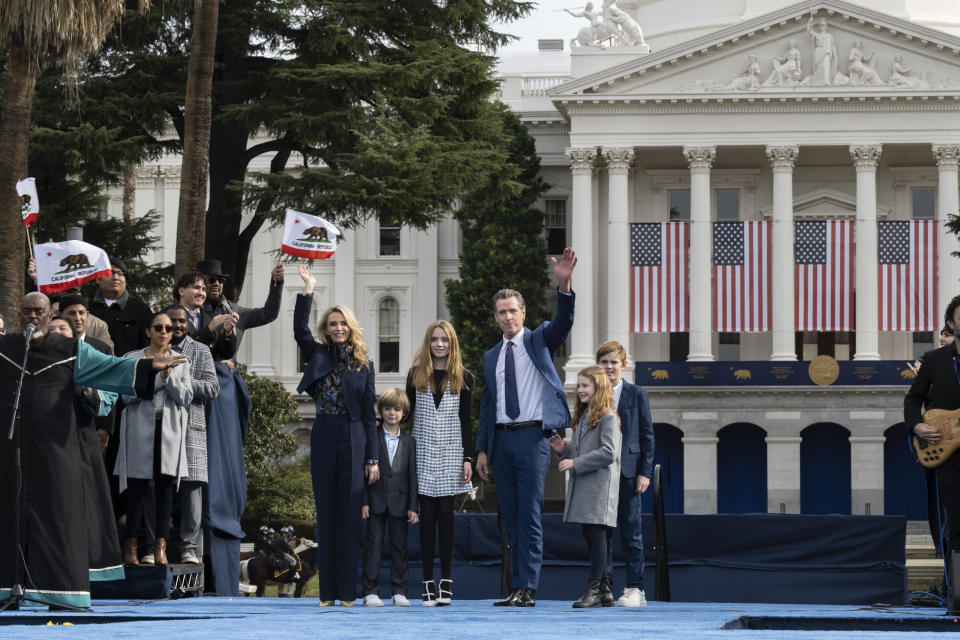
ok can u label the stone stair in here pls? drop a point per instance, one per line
(923, 566)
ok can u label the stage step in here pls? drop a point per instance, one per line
(920, 551)
(921, 571)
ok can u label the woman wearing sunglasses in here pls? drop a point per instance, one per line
(153, 442)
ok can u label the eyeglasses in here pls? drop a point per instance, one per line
(219, 279)
(163, 328)
(119, 274)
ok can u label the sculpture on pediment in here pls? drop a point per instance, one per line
(787, 70)
(629, 32)
(608, 22)
(749, 79)
(825, 72)
(593, 35)
(860, 67)
(901, 76)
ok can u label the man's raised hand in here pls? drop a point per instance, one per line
(563, 270)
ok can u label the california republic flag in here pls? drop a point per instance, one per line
(29, 202)
(307, 236)
(65, 265)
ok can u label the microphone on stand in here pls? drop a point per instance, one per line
(28, 332)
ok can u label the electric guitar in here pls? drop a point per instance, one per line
(948, 424)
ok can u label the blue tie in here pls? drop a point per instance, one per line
(510, 384)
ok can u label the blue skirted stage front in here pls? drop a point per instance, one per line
(713, 558)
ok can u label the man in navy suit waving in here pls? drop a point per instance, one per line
(636, 469)
(523, 404)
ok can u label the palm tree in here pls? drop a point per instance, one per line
(198, 108)
(35, 33)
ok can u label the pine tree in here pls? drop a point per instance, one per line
(503, 247)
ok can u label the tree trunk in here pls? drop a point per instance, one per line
(19, 83)
(191, 223)
(129, 190)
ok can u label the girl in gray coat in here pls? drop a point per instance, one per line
(593, 460)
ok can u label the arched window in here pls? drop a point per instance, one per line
(825, 469)
(741, 469)
(668, 453)
(388, 336)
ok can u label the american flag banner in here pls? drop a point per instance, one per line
(659, 253)
(741, 276)
(823, 275)
(907, 280)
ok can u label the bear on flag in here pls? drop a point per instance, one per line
(29, 202)
(65, 265)
(307, 236)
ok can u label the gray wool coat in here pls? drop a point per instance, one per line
(593, 485)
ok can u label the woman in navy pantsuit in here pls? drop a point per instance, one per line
(339, 376)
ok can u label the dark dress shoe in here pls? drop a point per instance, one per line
(528, 598)
(606, 592)
(590, 597)
(510, 600)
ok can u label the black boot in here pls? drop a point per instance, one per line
(606, 592)
(590, 597)
(510, 600)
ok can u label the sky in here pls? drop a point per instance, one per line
(547, 20)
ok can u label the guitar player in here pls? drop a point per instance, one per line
(938, 385)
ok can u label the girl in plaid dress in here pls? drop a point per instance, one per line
(438, 387)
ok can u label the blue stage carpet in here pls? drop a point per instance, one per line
(288, 619)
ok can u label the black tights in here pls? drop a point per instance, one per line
(596, 537)
(436, 515)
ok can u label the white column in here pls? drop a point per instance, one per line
(345, 268)
(618, 246)
(865, 158)
(581, 229)
(948, 267)
(783, 473)
(782, 160)
(866, 476)
(701, 248)
(700, 474)
(426, 311)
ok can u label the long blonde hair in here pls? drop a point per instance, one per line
(422, 368)
(359, 357)
(602, 401)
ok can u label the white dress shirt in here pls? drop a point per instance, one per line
(529, 383)
(617, 390)
(393, 441)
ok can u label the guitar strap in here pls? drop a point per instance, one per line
(955, 370)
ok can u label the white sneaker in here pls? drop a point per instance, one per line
(189, 557)
(147, 559)
(633, 597)
(400, 600)
(372, 600)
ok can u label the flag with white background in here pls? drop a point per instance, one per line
(29, 202)
(307, 236)
(69, 264)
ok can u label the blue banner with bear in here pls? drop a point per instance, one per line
(765, 373)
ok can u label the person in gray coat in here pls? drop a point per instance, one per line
(593, 460)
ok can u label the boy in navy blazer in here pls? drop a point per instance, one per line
(636, 469)
(390, 501)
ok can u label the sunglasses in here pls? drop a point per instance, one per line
(163, 328)
(219, 279)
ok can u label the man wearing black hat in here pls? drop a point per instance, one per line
(216, 304)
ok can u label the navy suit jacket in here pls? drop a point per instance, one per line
(396, 490)
(636, 425)
(541, 344)
(359, 388)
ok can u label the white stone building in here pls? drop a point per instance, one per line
(736, 112)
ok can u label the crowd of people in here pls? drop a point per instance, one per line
(120, 444)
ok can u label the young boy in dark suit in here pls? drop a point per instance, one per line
(391, 500)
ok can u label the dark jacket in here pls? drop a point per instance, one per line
(250, 318)
(396, 490)
(937, 384)
(127, 319)
(359, 387)
(636, 425)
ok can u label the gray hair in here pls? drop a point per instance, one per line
(504, 294)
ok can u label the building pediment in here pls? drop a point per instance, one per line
(845, 52)
(825, 204)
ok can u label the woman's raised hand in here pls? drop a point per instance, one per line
(308, 280)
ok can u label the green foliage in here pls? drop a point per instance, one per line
(503, 247)
(276, 490)
(383, 106)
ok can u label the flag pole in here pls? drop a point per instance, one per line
(30, 243)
